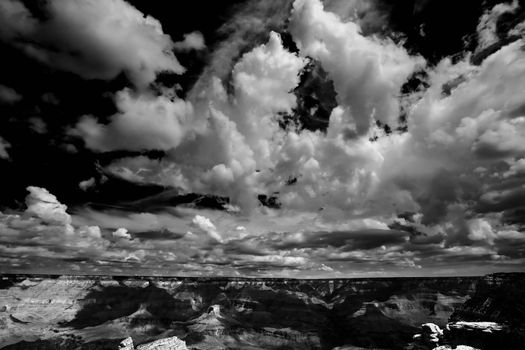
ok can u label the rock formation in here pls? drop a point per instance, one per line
(429, 337)
(97, 312)
(172, 343)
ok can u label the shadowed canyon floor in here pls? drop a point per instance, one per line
(70, 312)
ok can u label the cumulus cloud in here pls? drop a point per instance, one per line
(248, 28)
(45, 229)
(205, 225)
(451, 138)
(232, 145)
(151, 122)
(45, 206)
(215, 143)
(95, 39)
(121, 233)
(367, 72)
(444, 192)
(192, 41)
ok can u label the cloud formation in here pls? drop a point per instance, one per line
(95, 39)
(428, 179)
(192, 41)
(151, 122)
(45, 228)
(367, 72)
(487, 26)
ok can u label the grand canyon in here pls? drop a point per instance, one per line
(98, 312)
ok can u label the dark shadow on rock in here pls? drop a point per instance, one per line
(110, 303)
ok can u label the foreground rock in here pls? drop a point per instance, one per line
(172, 343)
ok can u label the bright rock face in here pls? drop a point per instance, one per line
(126, 344)
(172, 343)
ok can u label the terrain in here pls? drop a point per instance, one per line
(97, 312)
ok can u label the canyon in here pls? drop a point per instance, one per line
(98, 312)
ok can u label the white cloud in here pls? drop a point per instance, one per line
(367, 72)
(205, 225)
(461, 157)
(46, 224)
(487, 26)
(251, 22)
(192, 41)
(215, 143)
(45, 206)
(95, 39)
(121, 233)
(144, 122)
(481, 229)
(479, 125)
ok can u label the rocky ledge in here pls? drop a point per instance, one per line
(172, 343)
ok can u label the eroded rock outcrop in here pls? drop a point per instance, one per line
(466, 336)
(172, 343)
(484, 335)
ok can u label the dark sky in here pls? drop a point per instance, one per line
(276, 138)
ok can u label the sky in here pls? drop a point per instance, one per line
(276, 138)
